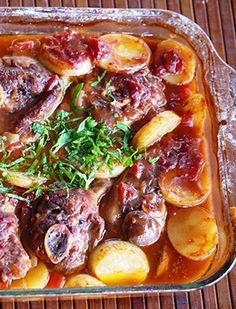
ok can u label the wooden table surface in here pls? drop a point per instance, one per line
(217, 18)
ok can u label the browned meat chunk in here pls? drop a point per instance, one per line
(136, 205)
(22, 79)
(65, 225)
(122, 97)
(44, 108)
(14, 261)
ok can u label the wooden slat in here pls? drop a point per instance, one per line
(186, 7)
(201, 14)
(108, 4)
(8, 304)
(223, 294)
(81, 303)
(3, 2)
(196, 300)
(160, 4)
(123, 302)
(210, 298)
(181, 300)
(110, 303)
(138, 302)
(39, 304)
(134, 4)
(167, 301)
(121, 4)
(173, 5)
(81, 3)
(22, 305)
(228, 24)
(67, 304)
(95, 303)
(153, 301)
(232, 283)
(215, 26)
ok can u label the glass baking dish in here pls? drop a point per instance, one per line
(218, 85)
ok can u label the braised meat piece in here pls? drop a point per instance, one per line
(43, 109)
(136, 205)
(122, 97)
(14, 261)
(66, 225)
(22, 79)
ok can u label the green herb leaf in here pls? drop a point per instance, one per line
(99, 79)
(76, 92)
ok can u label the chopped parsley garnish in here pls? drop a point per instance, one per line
(75, 94)
(68, 152)
(99, 79)
(153, 160)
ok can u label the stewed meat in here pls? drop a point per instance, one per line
(14, 261)
(122, 97)
(65, 225)
(22, 79)
(136, 205)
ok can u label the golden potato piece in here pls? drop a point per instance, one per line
(119, 262)
(183, 193)
(65, 54)
(193, 233)
(157, 127)
(196, 105)
(183, 54)
(23, 181)
(36, 278)
(128, 53)
(82, 280)
(105, 172)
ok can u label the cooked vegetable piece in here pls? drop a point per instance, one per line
(36, 278)
(157, 127)
(23, 181)
(65, 54)
(118, 262)
(179, 191)
(105, 172)
(196, 105)
(174, 62)
(193, 232)
(164, 261)
(82, 280)
(128, 53)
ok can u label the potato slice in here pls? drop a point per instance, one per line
(184, 53)
(157, 127)
(180, 192)
(119, 262)
(105, 172)
(193, 233)
(65, 54)
(196, 105)
(36, 278)
(128, 53)
(23, 181)
(82, 280)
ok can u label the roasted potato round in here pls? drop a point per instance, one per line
(119, 262)
(23, 181)
(174, 62)
(105, 172)
(193, 232)
(197, 106)
(82, 280)
(65, 54)
(157, 127)
(36, 278)
(179, 192)
(128, 53)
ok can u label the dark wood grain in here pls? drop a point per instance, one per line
(217, 18)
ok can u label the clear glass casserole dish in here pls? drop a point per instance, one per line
(219, 86)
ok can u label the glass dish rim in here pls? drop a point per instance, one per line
(117, 290)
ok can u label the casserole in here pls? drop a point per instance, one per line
(160, 24)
